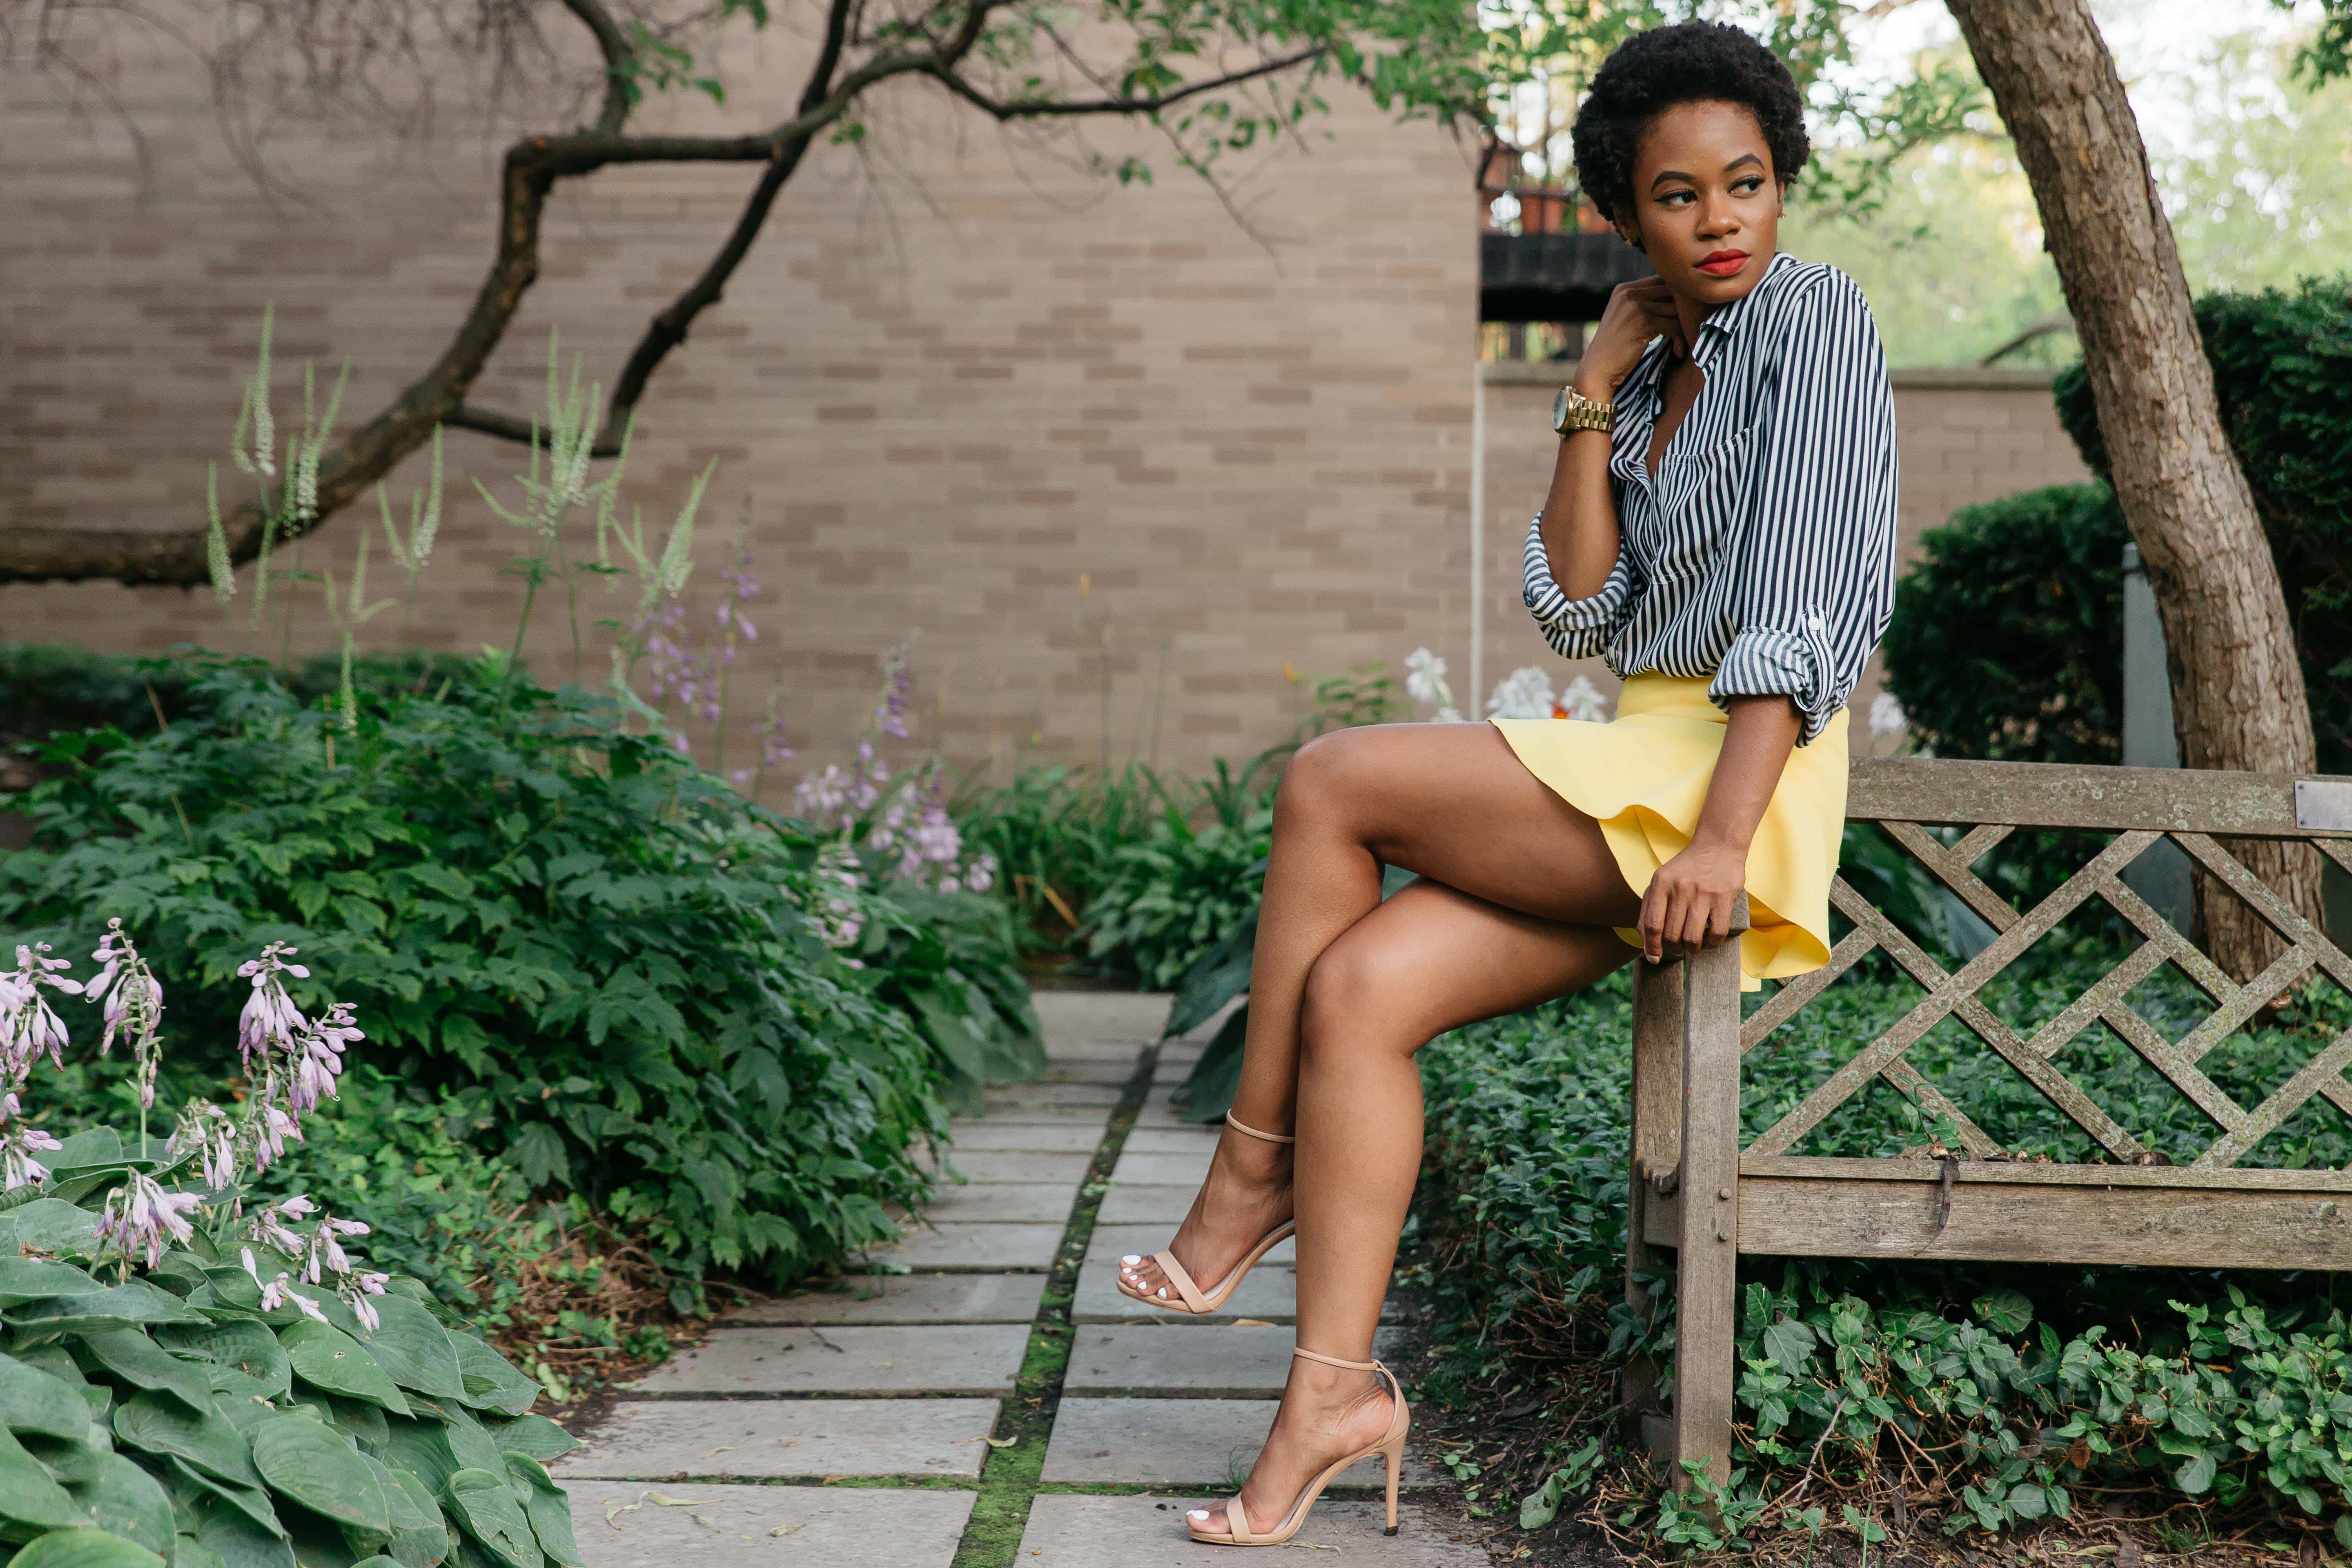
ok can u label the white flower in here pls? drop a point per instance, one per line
(1525, 693)
(1424, 679)
(1886, 715)
(1582, 699)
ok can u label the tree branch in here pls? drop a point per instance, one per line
(619, 56)
(1032, 109)
(507, 427)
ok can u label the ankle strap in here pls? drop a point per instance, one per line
(1334, 1361)
(1249, 1132)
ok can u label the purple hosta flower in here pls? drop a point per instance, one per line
(29, 1027)
(271, 1127)
(898, 691)
(207, 1129)
(742, 587)
(280, 1293)
(139, 1217)
(837, 918)
(320, 1058)
(360, 1288)
(980, 873)
(774, 746)
(18, 1168)
(269, 1225)
(327, 1247)
(134, 1005)
(270, 1021)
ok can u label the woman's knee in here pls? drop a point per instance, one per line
(1325, 777)
(1353, 1006)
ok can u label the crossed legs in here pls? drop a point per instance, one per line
(1519, 896)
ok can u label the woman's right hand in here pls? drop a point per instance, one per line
(1636, 313)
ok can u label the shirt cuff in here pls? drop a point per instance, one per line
(1554, 611)
(1765, 662)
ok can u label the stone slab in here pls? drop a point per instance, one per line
(1164, 1168)
(1269, 1294)
(1199, 1140)
(1082, 1531)
(1036, 1203)
(1208, 1443)
(993, 1167)
(1061, 1138)
(901, 1299)
(974, 1244)
(1112, 1242)
(1111, 1071)
(1093, 1118)
(653, 1439)
(765, 1527)
(1157, 1112)
(1069, 1018)
(1034, 1096)
(931, 1358)
(1176, 1357)
(1133, 1204)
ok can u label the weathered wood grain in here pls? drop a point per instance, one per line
(1656, 1144)
(1707, 1257)
(2094, 799)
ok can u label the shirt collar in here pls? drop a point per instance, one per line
(1717, 327)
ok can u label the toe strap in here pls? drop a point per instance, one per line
(1237, 1522)
(1177, 1277)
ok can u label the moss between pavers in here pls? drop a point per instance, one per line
(1009, 1475)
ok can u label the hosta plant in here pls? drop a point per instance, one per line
(193, 1376)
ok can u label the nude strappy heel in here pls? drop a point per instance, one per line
(1193, 1300)
(1391, 1447)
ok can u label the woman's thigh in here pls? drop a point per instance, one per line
(1434, 958)
(1454, 802)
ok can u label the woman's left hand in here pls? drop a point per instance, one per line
(1688, 906)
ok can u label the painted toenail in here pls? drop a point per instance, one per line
(1163, 1292)
(1132, 1258)
(1198, 1513)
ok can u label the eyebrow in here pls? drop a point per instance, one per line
(1665, 175)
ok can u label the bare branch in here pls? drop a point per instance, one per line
(619, 55)
(1035, 109)
(507, 427)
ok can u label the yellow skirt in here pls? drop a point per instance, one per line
(1644, 777)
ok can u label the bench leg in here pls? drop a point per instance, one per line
(1708, 1256)
(1656, 1145)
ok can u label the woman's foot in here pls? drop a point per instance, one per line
(1246, 1194)
(1328, 1413)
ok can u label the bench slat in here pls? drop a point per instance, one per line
(2061, 795)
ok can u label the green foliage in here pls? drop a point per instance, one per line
(597, 944)
(1054, 831)
(2283, 365)
(162, 1406)
(1175, 896)
(2019, 1386)
(2007, 641)
(46, 687)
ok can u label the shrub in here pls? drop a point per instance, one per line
(1054, 831)
(2007, 641)
(165, 1395)
(2011, 1386)
(2283, 364)
(599, 939)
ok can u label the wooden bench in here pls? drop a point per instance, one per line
(1696, 1190)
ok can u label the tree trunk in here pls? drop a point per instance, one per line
(2238, 692)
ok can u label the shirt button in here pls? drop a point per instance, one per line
(1815, 623)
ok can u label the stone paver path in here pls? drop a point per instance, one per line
(985, 1396)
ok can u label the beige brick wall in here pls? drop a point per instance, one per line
(946, 390)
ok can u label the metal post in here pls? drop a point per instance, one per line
(1475, 703)
(2161, 874)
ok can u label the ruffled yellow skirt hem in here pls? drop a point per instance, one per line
(1644, 777)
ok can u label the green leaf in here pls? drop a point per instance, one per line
(547, 1509)
(192, 1489)
(230, 1533)
(2196, 1475)
(535, 1436)
(85, 1548)
(2004, 1311)
(421, 1448)
(319, 1469)
(487, 1510)
(187, 1551)
(1790, 1343)
(328, 1358)
(35, 1278)
(255, 1364)
(128, 1354)
(49, 1224)
(414, 1349)
(126, 1500)
(132, 1304)
(427, 1542)
(32, 1400)
(30, 1499)
(491, 1380)
(208, 1442)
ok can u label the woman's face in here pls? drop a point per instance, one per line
(1707, 202)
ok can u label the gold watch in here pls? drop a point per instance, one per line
(1573, 411)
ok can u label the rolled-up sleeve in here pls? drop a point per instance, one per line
(1812, 578)
(1576, 628)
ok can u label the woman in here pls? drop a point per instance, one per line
(1721, 526)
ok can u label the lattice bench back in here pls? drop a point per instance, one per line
(1696, 1190)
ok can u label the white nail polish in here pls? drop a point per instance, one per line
(1198, 1513)
(1132, 1258)
(1163, 1292)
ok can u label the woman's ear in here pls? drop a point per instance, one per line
(1631, 234)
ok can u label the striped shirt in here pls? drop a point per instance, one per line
(1762, 551)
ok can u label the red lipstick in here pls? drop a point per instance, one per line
(1724, 263)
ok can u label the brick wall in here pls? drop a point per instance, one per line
(1121, 458)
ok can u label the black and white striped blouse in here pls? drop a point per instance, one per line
(1762, 551)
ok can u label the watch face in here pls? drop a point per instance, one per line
(1560, 410)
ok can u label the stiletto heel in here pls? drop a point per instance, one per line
(1194, 1302)
(1391, 1447)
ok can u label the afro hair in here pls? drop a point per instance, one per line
(1690, 62)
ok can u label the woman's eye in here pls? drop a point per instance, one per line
(1748, 187)
(1671, 198)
